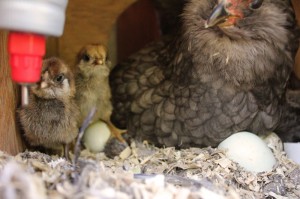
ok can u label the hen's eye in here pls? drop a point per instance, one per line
(59, 78)
(85, 58)
(256, 4)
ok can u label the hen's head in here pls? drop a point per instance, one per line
(57, 81)
(228, 12)
(238, 39)
(242, 18)
(269, 20)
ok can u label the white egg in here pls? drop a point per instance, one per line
(292, 151)
(249, 151)
(96, 136)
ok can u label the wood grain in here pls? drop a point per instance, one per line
(136, 27)
(10, 140)
(88, 22)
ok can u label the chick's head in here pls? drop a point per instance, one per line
(57, 80)
(92, 59)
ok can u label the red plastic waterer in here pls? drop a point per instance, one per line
(29, 22)
(26, 54)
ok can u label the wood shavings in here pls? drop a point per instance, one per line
(224, 162)
(54, 163)
(125, 153)
(276, 196)
(145, 172)
(207, 194)
(16, 182)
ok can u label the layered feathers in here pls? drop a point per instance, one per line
(209, 83)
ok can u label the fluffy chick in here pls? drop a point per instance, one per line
(92, 84)
(50, 119)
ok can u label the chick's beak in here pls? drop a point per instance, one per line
(43, 84)
(218, 15)
(98, 61)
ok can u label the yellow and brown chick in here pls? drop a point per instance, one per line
(50, 119)
(92, 84)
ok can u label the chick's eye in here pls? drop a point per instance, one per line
(85, 58)
(255, 4)
(59, 78)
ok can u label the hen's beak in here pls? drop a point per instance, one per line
(218, 16)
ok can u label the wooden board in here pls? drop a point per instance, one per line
(88, 22)
(136, 27)
(10, 140)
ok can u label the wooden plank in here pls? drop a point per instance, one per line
(10, 140)
(88, 22)
(136, 27)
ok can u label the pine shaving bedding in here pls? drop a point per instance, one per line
(144, 171)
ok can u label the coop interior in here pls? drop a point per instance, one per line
(140, 169)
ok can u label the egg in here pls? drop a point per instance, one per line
(292, 151)
(96, 136)
(249, 151)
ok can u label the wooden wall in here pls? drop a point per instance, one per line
(136, 27)
(10, 140)
(87, 22)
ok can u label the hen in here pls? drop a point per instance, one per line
(226, 71)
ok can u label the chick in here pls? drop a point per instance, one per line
(92, 84)
(50, 119)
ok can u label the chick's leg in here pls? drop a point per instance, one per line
(115, 132)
